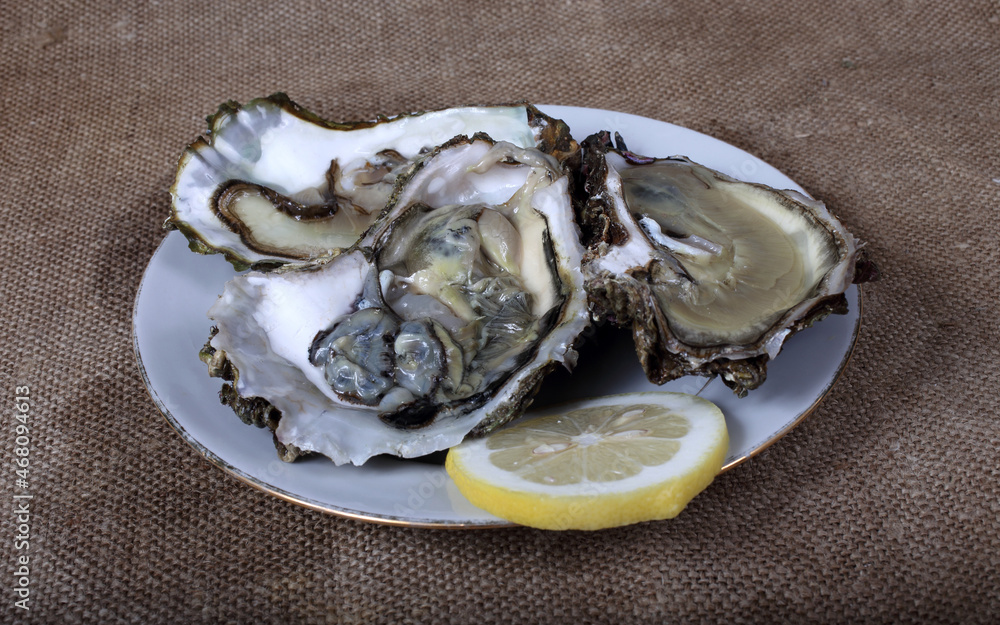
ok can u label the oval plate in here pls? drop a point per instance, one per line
(170, 326)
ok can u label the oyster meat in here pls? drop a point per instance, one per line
(273, 184)
(440, 321)
(711, 274)
(415, 278)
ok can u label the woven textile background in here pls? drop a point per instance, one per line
(881, 507)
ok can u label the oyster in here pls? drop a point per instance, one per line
(710, 273)
(274, 184)
(440, 321)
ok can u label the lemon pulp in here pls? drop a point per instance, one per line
(598, 463)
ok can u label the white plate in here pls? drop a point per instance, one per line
(171, 325)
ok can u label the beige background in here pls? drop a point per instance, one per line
(881, 507)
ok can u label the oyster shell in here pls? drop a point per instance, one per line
(442, 320)
(273, 184)
(710, 273)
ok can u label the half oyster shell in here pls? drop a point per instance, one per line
(442, 320)
(710, 273)
(273, 184)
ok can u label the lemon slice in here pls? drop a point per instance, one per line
(597, 463)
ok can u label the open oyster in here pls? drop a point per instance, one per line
(441, 321)
(710, 273)
(274, 184)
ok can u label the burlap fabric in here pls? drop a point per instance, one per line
(881, 507)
